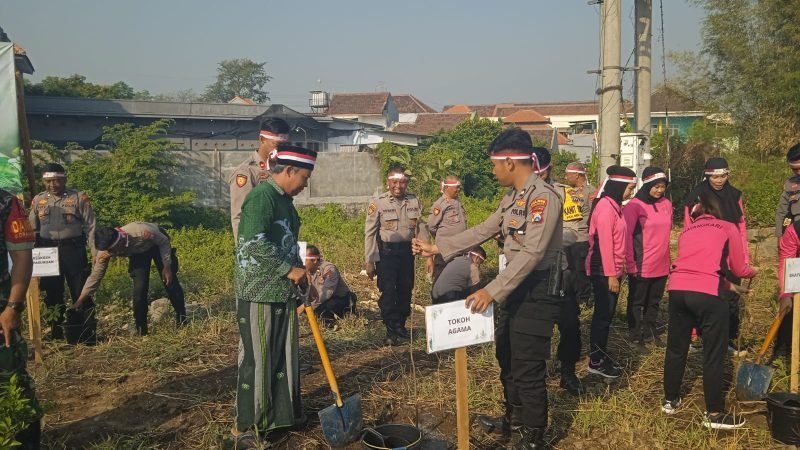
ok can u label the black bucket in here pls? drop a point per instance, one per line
(80, 326)
(783, 415)
(391, 437)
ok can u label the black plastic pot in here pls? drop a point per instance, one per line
(392, 437)
(783, 414)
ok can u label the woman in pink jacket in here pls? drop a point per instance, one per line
(648, 218)
(788, 247)
(605, 263)
(696, 286)
(716, 182)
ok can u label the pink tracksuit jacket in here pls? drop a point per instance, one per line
(789, 247)
(742, 228)
(647, 242)
(607, 234)
(701, 255)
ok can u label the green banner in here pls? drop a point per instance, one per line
(10, 149)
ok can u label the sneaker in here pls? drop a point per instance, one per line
(735, 350)
(723, 421)
(671, 406)
(605, 368)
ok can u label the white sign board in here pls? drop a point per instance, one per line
(303, 246)
(791, 275)
(45, 262)
(451, 325)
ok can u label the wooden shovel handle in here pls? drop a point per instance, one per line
(323, 353)
(773, 330)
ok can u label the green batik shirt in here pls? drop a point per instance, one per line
(267, 246)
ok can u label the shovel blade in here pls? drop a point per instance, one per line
(752, 381)
(342, 425)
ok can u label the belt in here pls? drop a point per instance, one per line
(78, 241)
(396, 245)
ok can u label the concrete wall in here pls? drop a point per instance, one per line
(344, 178)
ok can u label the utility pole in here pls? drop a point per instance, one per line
(611, 84)
(644, 38)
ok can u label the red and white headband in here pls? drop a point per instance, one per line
(653, 177)
(280, 137)
(542, 169)
(710, 172)
(520, 156)
(54, 175)
(794, 164)
(443, 185)
(397, 176)
(579, 171)
(477, 254)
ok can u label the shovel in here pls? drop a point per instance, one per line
(752, 380)
(342, 421)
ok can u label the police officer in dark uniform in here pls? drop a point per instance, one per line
(527, 290)
(569, 324)
(63, 218)
(393, 219)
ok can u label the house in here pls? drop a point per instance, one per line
(241, 101)
(682, 111)
(375, 108)
(409, 106)
(428, 124)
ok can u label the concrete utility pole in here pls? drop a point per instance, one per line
(611, 84)
(644, 40)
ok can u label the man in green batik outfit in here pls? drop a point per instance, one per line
(267, 261)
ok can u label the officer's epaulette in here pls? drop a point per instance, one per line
(384, 195)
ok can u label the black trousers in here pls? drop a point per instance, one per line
(605, 304)
(74, 268)
(630, 315)
(646, 301)
(569, 324)
(438, 266)
(335, 307)
(734, 310)
(576, 260)
(395, 281)
(139, 269)
(523, 329)
(710, 313)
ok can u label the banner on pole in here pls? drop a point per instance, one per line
(10, 148)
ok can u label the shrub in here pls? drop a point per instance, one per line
(16, 411)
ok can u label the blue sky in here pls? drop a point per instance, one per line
(443, 51)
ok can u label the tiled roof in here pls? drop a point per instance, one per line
(579, 108)
(546, 136)
(430, 123)
(526, 116)
(363, 103)
(456, 109)
(407, 103)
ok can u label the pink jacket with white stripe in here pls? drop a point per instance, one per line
(741, 226)
(647, 242)
(703, 248)
(607, 234)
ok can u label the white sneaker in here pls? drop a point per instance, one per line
(723, 421)
(671, 406)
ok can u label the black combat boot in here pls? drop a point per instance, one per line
(400, 329)
(570, 381)
(532, 439)
(512, 420)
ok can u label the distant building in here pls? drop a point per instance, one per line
(376, 108)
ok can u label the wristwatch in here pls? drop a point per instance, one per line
(17, 306)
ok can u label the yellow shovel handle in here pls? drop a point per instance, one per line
(323, 354)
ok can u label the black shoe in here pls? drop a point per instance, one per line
(402, 332)
(723, 421)
(391, 339)
(532, 439)
(571, 383)
(605, 368)
(512, 421)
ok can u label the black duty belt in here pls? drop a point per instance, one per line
(79, 241)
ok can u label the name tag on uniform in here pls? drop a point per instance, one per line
(451, 325)
(45, 262)
(502, 263)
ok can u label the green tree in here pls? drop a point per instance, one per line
(751, 63)
(77, 86)
(242, 77)
(129, 182)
